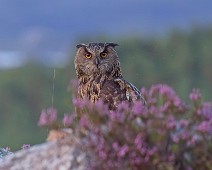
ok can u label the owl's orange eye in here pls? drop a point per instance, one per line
(88, 55)
(103, 54)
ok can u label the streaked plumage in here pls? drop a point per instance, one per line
(99, 74)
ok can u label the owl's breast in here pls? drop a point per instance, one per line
(112, 93)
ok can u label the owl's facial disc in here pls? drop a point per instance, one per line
(96, 58)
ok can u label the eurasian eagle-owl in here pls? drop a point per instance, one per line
(99, 74)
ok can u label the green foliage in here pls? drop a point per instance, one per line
(24, 93)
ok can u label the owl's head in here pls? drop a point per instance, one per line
(97, 59)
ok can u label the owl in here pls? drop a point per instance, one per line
(99, 75)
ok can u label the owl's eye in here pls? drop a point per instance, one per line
(88, 55)
(103, 54)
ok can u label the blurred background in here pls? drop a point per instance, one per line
(161, 41)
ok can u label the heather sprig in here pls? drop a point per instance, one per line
(48, 117)
(25, 146)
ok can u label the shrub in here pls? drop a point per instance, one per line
(165, 134)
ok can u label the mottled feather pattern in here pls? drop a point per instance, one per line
(132, 93)
(100, 76)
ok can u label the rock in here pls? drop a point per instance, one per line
(62, 154)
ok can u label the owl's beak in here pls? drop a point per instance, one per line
(97, 62)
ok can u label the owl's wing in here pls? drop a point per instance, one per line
(132, 93)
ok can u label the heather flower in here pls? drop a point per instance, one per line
(164, 108)
(52, 114)
(171, 122)
(79, 102)
(184, 135)
(207, 110)
(184, 123)
(84, 121)
(144, 91)
(101, 107)
(139, 142)
(152, 151)
(142, 149)
(123, 150)
(115, 146)
(102, 154)
(171, 157)
(25, 146)
(205, 127)
(146, 158)
(154, 90)
(68, 119)
(175, 138)
(43, 119)
(189, 168)
(139, 109)
(167, 91)
(199, 111)
(192, 141)
(153, 110)
(123, 107)
(117, 116)
(177, 102)
(152, 101)
(47, 117)
(195, 95)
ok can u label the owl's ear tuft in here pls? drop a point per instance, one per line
(80, 45)
(111, 44)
